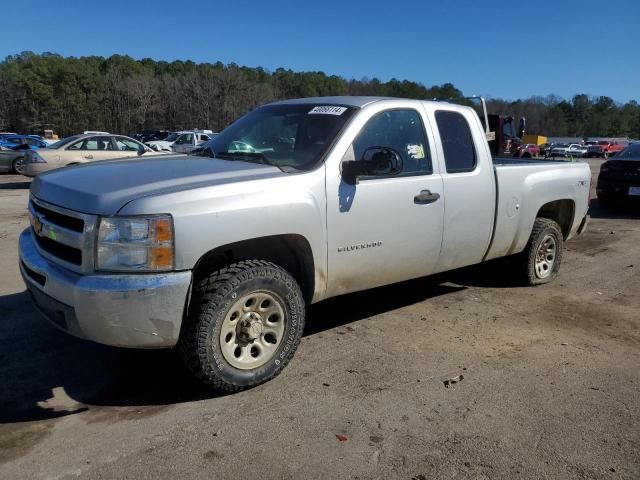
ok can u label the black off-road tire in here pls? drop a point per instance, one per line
(543, 228)
(213, 297)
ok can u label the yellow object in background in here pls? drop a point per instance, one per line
(536, 139)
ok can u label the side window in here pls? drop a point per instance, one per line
(92, 143)
(126, 144)
(401, 130)
(204, 138)
(457, 142)
(184, 139)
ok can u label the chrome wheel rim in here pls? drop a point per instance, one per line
(19, 165)
(252, 330)
(546, 256)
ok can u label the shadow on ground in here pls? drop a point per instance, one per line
(15, 185)
(37, 362)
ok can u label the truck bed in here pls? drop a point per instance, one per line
(523, 185)
(523, 161)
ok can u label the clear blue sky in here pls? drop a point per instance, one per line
(505, 49)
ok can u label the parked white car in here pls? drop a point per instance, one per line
(188, 141)
(575, 150)
(166, 144)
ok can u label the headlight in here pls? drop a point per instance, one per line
(135, 243)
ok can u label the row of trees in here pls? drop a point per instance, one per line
(120, 94)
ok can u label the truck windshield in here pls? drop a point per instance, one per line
(295, 136)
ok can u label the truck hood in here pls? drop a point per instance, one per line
(103, 188)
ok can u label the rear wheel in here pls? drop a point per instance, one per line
(244, 325)
(18, 165)
(543, 253)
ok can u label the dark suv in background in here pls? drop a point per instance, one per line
(619, 179)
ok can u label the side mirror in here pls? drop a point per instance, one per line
(142, 150)
(375, 161)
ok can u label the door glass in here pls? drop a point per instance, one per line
(92, 144)
(126, 144)
(186, 138)
(401, 130)
(457, 142)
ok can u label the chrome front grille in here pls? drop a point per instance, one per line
(63, 236)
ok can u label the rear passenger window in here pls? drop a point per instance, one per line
(457, 142)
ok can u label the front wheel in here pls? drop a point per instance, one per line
(543, 254)
(244, 326)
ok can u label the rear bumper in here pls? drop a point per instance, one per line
(35, 169)
(617, 189)
(136, 311)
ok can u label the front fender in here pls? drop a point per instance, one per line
(209, 217)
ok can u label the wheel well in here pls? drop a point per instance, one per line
(560, 211)
(291, 252)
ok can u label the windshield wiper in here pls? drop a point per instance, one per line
(254, 157)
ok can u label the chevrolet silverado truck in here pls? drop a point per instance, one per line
(219, 255)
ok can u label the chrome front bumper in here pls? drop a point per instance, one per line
(136, 311)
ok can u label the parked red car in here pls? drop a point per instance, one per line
(533, 149)
(603, 148)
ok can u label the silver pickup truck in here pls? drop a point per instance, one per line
(298, 201)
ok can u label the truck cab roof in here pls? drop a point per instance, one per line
(348, 101)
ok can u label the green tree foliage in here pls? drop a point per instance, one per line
(582, 116)
(120, 94)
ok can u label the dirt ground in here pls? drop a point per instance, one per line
(550, 382)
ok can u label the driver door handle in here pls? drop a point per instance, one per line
(89, 156)
(425, 196)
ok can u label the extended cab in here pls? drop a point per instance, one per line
(297, 201)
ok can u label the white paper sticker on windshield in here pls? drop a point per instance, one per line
(328, 110)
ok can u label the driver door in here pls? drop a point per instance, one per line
(184, 143)
(387, 227)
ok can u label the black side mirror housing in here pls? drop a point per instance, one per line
(142, 150)
(376, 161)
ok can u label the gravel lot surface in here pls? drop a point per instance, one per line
(550, 382)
